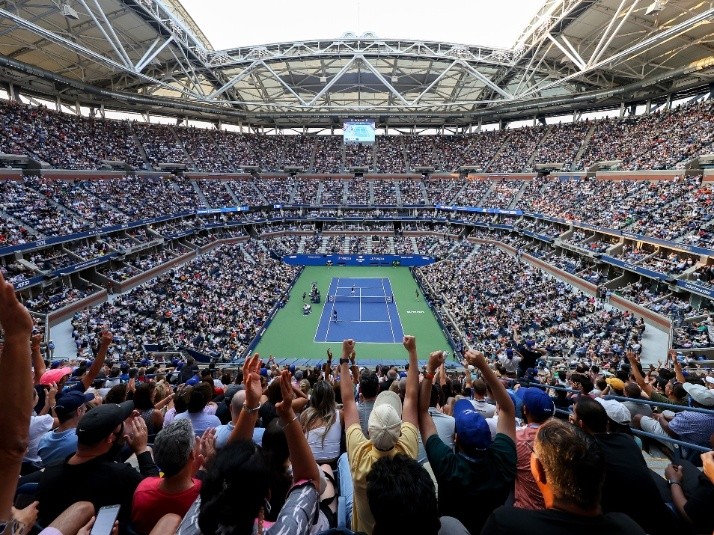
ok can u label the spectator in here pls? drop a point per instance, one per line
(638, 496)
(392, 430)
(537, 409)
(322, 424)
(144, 403)
(199, 397)
(444, 423)
(689, 426)
(60, 443)
(15, 387)
(39, 425)
(368, 390)
(240, 474)
(569, 469)
(176, 454)
(479, 471)
(399, 484)
(92, 473)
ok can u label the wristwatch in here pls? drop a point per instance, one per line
(671, 482)
(344, 361)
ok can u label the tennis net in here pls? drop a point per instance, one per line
(362, 298)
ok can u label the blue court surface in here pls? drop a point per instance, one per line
(362, 309)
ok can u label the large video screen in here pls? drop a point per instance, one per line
(359, 131)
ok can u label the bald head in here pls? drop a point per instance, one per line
(237, 404)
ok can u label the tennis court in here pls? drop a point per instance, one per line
(360, 308)
(291, 337)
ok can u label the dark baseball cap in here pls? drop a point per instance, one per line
(68, 402)
(101, 421)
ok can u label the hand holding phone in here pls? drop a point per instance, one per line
(104, 522)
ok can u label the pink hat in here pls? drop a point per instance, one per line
(53, 376)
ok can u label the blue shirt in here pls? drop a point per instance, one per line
(224, 431)
(57, 445)
(694, 427)
(200, 421)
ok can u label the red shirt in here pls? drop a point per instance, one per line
(151, 503)
(527, 493)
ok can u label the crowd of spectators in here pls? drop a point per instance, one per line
(662, 139)
(677, 209)
(557, 315)
(214, 304)
(537, 445)
(63, 140)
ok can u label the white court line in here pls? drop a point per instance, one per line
(360, 303)
(396, 307)
(368, 321)
(389, 314)
(329, 317)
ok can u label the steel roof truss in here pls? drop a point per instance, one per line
(233, 81)
(112, 37)
(332, 82)
(635, 49)
(382, 79)
(579, 63)
(283, 83)
(81, 50)
(485, 80)
(603, 44)
(432, 84)
(152, 52)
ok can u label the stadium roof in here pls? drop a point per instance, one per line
(150, 56)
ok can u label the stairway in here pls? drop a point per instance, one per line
(583, 145)
(548, 131)
(518, 195)
(138, 144)
(201, 197)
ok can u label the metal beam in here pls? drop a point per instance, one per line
(432, 84)
(120, 52)
(83, 51)
(332, 82)
(111, 30)
(233, 81)
(577, 61)
(634, 49)
(485, 80)
(283, 83)
(150, 54)
(383, 80)
(602, 47)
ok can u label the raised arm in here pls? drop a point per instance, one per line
(468, 380)
(98, 363)
(354, 368)
(38, 365)
(349, 407)
(644, 385)
(679, 376)
(442, 373)
(426, 424)
(301, 458)
(15, 393)
(410, 411)
(507, 415)
(253, 391)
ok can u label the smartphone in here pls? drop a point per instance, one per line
(106, 517)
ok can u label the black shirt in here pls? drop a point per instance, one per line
(100, 481)
(629, 487)
(513, 521)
